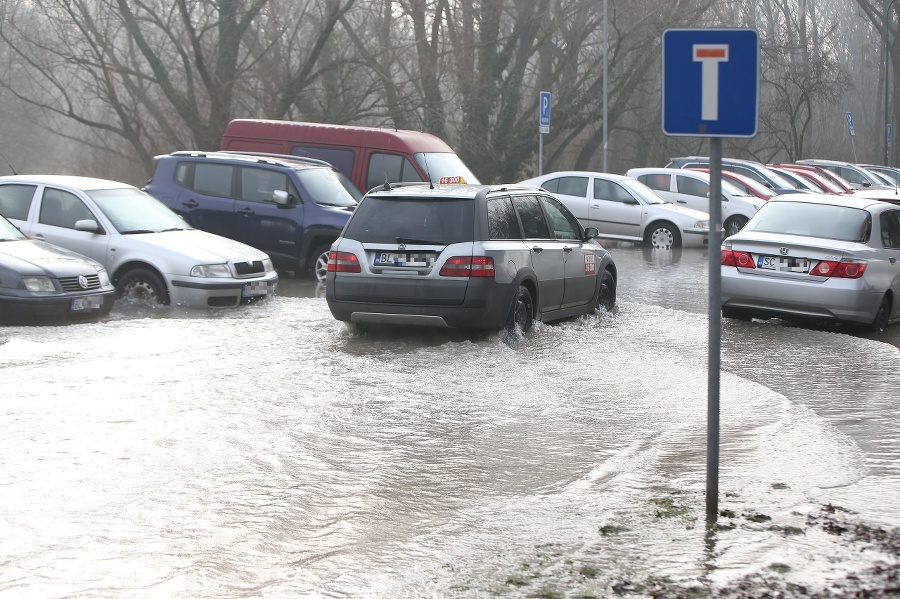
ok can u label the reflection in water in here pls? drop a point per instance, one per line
(270, 450)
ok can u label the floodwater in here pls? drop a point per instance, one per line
(270, 451)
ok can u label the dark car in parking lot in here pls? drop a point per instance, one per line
(41, 282)
(467, 257)
(292, 208)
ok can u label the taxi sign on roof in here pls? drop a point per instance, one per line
(452, 180)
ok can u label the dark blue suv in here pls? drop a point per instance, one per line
(291, 208)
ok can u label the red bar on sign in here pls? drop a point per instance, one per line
(709, 53)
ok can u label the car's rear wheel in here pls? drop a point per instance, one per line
(662, 236)
(734, 224)
(318, 263)
(143, 286)
(521, 313)
(606, 296)
(880, 323)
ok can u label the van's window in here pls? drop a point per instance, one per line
(340, 158)
(443, 164)
(213, 179)
(532, 216)
(502, 221)
(384, 220)
(390, 167)
(15, 200)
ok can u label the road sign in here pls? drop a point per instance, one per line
(545, 110)
(710, 82)
(850, 123)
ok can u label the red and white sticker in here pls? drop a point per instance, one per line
(590, 266)
(452, 180)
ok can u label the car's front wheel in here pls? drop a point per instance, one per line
(606, 296)
(142, 285)
(662, 236)
(734, 224)
(318, 263)
(521, 313)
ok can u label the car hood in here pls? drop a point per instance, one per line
(683, 210)
(32, 256)
(200, 246)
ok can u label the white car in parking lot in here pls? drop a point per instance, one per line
(620, 207)
(690, 188)
(150, 253)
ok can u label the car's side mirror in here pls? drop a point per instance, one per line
(281, 197)
(89, 225)
(590, 233)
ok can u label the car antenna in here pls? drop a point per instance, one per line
(387, 185)
(8, 164)
(427, 174)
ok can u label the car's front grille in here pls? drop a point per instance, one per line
(73, 283)
(244, 269)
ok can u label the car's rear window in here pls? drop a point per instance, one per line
(412, 220)
(814, 220)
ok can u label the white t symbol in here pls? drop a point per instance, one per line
(710, 55)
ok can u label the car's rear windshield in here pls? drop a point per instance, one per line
(412, 221)
(815, 220)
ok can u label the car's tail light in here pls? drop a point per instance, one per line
(737, 259)
(845, 269)
(468, 266)
(343, 262)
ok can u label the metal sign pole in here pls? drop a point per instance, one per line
(540, 154)
(715, 329)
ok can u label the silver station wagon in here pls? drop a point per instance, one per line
(468, 257)
(816, 256)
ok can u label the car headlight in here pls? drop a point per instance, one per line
(267, 265)
(702, 224)
(104, 277)
(210, 270)
(39, 284)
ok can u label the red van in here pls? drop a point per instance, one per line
(368, 156)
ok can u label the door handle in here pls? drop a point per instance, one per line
(190, 204)
(892, 259)
(567, 249)
(246, 211)
(537, 249)
(681, 201)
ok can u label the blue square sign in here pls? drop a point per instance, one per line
(710, 82)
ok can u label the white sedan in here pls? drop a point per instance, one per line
(150, 252)
(622, 208)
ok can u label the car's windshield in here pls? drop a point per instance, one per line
(8, 231)
(133, 211)
(327, 187)
(815, 220)
(444, 164)
(642, 191)
(412, 221)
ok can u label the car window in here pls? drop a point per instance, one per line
(643, 192)
(565, 226)
(340, 158)
(611, 191)
(890, 229)
(390, 167)
(258, 184)
(327, 187)
(9, 232)
(414, 220)
(814, 220)
(571, 186)
(658, 182)
(15, 200)
(851, 175)
(62, 209)
(213, 179)
(131, 210)
(502, 221)
(532, 217)
(692, 187)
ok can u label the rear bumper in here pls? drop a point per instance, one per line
(833, 299)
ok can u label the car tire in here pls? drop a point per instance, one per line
(880, 322)
(142, 285)
(318, 263)
(662, 236)
(734, 224)
(521, 312)
(606, 295)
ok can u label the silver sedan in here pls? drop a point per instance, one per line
(818, 257)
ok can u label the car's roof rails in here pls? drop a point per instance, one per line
(268, 158)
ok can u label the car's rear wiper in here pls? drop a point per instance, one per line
(418, 241)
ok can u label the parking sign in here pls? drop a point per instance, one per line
(545, 109)
(710, 82)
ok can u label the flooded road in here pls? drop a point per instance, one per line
(272, 451)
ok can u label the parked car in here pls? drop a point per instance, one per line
(622, 208)
(40, 282)
(750, 187)
(858, 176)
(290, 208)
(890, 172)
(748, 168)
(690, 188)
(822, 180)
(818, 257)
(885, 195)
(467, 257)
(150, 253)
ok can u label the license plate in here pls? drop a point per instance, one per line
(783, 264)
(86, 303)
(403, 259)
(255, 288)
